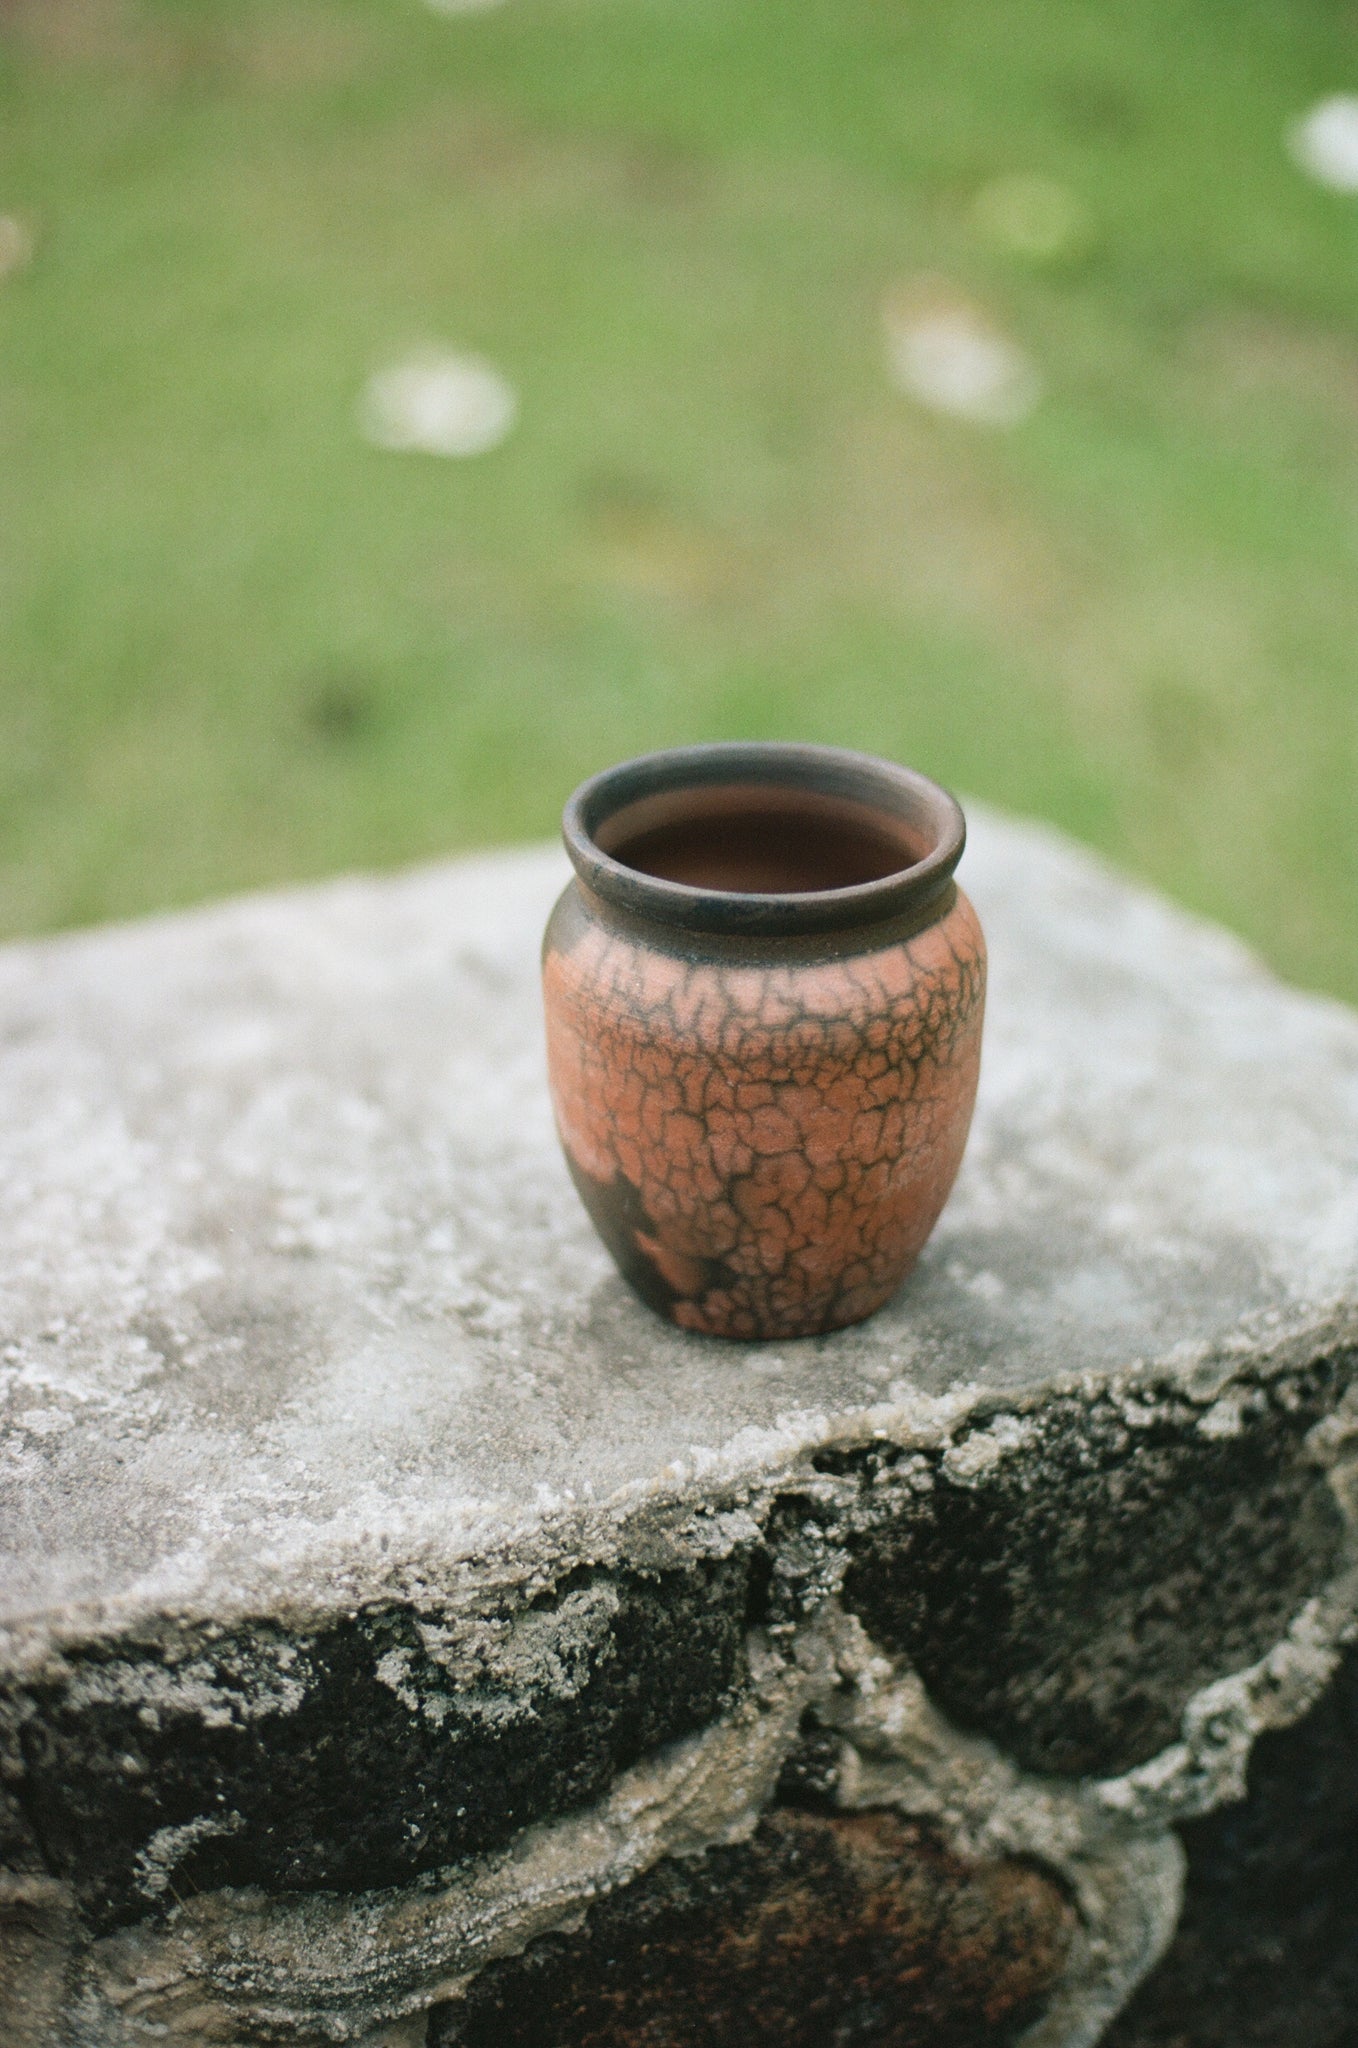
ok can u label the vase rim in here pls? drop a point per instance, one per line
(879, 789)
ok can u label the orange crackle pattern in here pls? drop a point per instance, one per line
(765, 1148)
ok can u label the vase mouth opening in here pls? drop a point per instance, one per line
(764, 837)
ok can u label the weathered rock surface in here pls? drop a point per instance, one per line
(822, 1927)
(396, 1616)
(1266, 1952)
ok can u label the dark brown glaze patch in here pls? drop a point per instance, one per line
(765, 1147)
(844, 1931)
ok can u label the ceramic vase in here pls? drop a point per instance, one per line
(764, 994)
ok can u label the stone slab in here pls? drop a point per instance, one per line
(392, 1610)
(296, 1298)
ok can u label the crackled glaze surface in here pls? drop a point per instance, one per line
(764, 1143)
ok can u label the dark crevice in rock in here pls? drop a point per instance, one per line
(26, 1818)
(20, 1849)
(1266, 1955)
(1068, 1606)
(804, 1543)
(861, 1931)
(811, 1772)
(351, 1760)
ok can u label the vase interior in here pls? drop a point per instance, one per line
(758, 839)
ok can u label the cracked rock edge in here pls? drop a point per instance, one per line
(320, 1966)
(1266, 1950)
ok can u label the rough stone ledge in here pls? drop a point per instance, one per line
(229, 1965)
(1266, 1950)
(387, 1587)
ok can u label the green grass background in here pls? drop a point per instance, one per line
(239, 645)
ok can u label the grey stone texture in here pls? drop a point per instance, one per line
(391, 1607)
(1266, 1951)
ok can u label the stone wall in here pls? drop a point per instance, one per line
(409, 1640)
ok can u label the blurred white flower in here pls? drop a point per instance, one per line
(1032, 217)
(949, 355)
(16, 244)
(439, 404)
(1325, 142)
